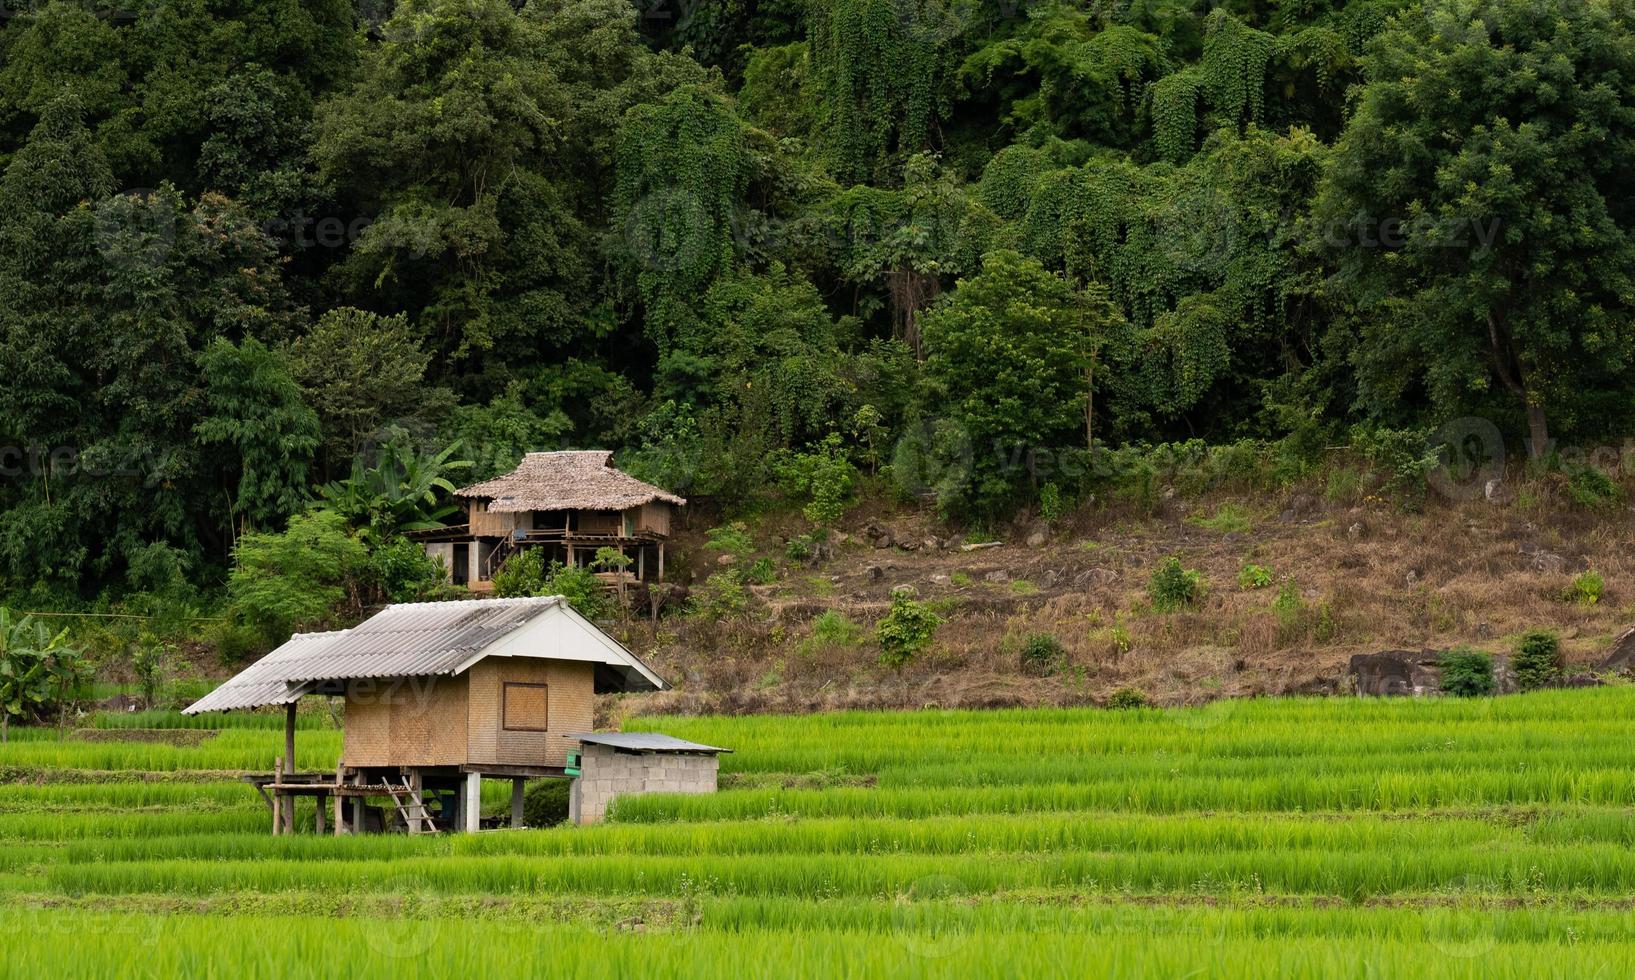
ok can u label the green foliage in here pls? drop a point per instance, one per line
(831, 628)
(521, 574)
(824, 475)
(721, 597)
(299, 577)
(256, 409)
(1586, 589)
(1126, 698)
(1537, 661)
(545, 803)
(906, 630)
(360, 371)
(1042, 654)
(526, 573)
(1491, 270)
(40, 670)
(1052, 505)
(1006, 359)
(149, 658)
(1403, 458)
(1592, 489)
(1173, 587)
(1467, 673)
(733, 539)
(1252, 576)
(405, 491)
(403, 572)
(1227, 519)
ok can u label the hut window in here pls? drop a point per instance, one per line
(524, 707)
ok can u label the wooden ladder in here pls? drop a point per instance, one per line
(406, 799)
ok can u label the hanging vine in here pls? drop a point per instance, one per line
(883, 68)
(682, 169)
(1234, 68)
(1175, 115)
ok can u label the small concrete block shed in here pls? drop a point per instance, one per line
(621, 763)
(438, 695)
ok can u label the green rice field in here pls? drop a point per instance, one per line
(1300, 838)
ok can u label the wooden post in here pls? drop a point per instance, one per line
(359, 822)
(471, 808)
(516, 804)
(641, 563)
(318, 819)
(289, 737)
(339, 810)
(661, 561)
(278, 797)
(415, 796)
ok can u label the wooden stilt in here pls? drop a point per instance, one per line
(641, 563)
(278, 798)
(318, 818)
(471, 808)
(289, 737)
(516, 804)
(661, 561)
(415, 813)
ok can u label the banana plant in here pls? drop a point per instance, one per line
(37, 668)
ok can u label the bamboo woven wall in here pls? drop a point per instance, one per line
(413, 721)
(571, 709)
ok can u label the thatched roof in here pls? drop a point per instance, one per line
(569, 480)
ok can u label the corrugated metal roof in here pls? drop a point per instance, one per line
(645, 742)
(267, 680)
(415, 639)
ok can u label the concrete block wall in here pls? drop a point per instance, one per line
(607, 774)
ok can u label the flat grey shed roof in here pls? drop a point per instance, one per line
(645, 742)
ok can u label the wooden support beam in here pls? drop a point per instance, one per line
(661, 561)
(278, 798)
(516, 804)
(318, 819)
(340, 808)
(471, 808)
(289, 737)
(417, 798)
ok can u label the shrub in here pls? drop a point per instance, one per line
(148, 664)
(1126, 698)
(1403, 459)
(906, 630)
(823, 475)
(1228, 518)
(760, 572)
(834, 629)
(545, 803)
(734, 539)
(1051, 504)
(1173, 587)
(1586, 589)
(1592, 489)
(525, 573)
(1288, 605)
(403, 572)
(1042, 654)
(1467, 673)
(1538, 660)
(722, 596)
(281, 581)
(1254, 576)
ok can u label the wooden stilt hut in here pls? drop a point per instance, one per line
(437, 696)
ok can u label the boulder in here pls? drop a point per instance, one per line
(1036, 539)
(997, 575)
(1394, 673)
(1092, 578)
(1621, 655)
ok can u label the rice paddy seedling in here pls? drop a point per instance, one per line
(1344, 837)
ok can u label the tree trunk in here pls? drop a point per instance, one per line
(1538, 432)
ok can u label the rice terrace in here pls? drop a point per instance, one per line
(1358, 838)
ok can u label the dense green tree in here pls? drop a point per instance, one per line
(254, 408)
(1479, 214)
(1007, 361)
(360, 371)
